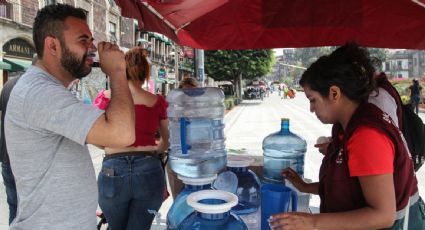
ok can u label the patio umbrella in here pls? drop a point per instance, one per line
(255, 24)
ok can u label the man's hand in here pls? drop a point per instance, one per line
(111, 58)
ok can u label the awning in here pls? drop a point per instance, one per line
(166, 80)
(17, 64)
(5, 66)
(260, 24)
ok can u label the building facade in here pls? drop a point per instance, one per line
(405, 64)
(107, 24)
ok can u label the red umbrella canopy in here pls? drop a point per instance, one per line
(257, 24)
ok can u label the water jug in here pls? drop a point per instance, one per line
(281, 150)
(303, 204)
(212, 211)
(248, 191)
(180, 209)
(196, 131)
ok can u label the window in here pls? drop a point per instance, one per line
(399, 65)
(112, 32)
(6, 10)
(49, 2)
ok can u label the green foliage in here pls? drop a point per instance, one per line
(405, 99)
(231, 101)
(379, 53)
(306, 56)
(227, 65)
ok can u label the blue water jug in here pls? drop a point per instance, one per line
(180, 209)
(281, 150)
(247, 190)
(212, 211)
(196, 127)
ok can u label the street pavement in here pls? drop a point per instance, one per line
(246, 126)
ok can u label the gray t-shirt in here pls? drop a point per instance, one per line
(47, 128)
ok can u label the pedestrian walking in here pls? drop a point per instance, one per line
(359, 187)
(47, 127)
(415, 95)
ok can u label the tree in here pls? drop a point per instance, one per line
(306, 56)
(233, 65)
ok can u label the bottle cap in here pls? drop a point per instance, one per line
(239, 161)
(230, 200)
(197, 181)
(284, 119)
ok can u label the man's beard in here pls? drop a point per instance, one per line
(70, 62)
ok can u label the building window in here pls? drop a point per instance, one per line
(49, 2)
(399, 65)
(6, 10)
(112, 32)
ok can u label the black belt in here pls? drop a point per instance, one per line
(131, 154)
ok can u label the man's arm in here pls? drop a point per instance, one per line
(115, 128)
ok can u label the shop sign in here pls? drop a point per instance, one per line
(188, 51)
(162, 73)
(18, 47)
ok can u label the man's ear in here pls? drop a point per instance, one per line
(52, 45)
(334, 93)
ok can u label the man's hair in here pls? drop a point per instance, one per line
(50, 22)
(188, 82)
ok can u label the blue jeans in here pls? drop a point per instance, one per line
(131, 191)
(415, 103)
(9, 183)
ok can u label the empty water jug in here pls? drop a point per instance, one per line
(180, 209)
(196, 131)
(248, 190)
(212, 211)
(281, 150)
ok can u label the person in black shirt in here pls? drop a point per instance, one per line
(415, 95)
(8, 179)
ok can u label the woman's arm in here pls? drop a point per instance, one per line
(164, 143)
(379, 194)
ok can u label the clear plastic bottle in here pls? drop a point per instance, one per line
(248, 191)
(180, 209)
(281, 150)
(212, 211)
(196, 131)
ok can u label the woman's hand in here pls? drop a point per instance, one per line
(292, 220)
(294, 178)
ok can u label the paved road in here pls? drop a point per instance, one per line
(246, 127)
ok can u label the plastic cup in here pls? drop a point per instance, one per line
(275, 198)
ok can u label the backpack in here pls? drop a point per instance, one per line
(410, 123)
(414, 132)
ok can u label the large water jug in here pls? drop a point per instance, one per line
(180, 209)
(196, 131)
(281, 150)
(247, 190)
(212, 211)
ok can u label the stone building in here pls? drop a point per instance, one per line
(106, 24)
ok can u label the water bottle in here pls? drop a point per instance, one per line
(212, 211)
(180, 209)
(248, 191)
(281, 150)
(196, 131)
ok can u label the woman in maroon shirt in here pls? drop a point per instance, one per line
(132, 182)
